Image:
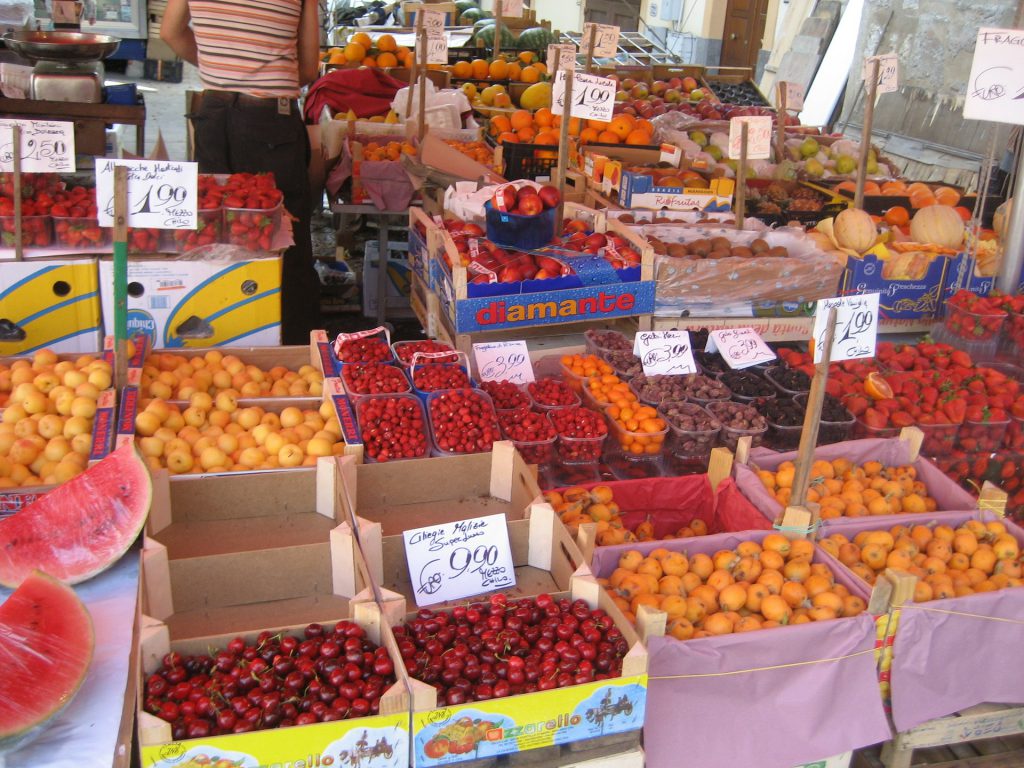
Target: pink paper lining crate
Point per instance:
(945, 651)
(891, 452)
(779, 683)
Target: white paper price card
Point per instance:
(759, 137)
(593, 97)
(995, 89)
(739, 347)
(433, 21)
(856, 327)
(161, 194)
(503, 361)
(794, 96)
(606, 41)
(513, 8)
(47, 146)
(888, 72)
(664, 353)
(461, 559)
(437, 47)
(561, 56)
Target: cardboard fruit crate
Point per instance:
(244, 555)
(563, 723)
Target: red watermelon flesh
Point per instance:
(82, 527)
(46, 644)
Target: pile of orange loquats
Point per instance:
(754, 586)
(844, 489)
(948, 562)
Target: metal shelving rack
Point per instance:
(634, 49)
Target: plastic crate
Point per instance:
(520, 162)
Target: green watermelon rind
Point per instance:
(75, 558)
(536, 39)
(485, 37)
(464, 5)
(11, 739)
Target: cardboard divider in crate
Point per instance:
(893, 452)
(801, 691)
(594, 290)
(928, 671)
(333, 400)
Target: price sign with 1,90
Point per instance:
(856, 327)
(461, 559)
(606, 42)
(759, 137)
(739, 347)
(888, 72)
(664, 353)
(561, 56)
(47, 146)
(593, 97)
(437, 47)
(161, 194)
(503, 361)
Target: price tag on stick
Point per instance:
(856, 327)
(794, 96)
(161, 194)
(503, 361)
(664, 353)
(607, 40)
(509, 8)
(759, 137)
(888, 72)
(561, 57)
(433, 21)
(593, 97)
(460, 559)
(437, 47)
(47, 146)
(739, 347)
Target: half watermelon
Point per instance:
(82, 527)
(46, 645)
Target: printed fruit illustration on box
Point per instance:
(459, 738)
(83, 526)
(46, 644)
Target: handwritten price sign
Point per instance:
(664, 353)
(161, 194)
(759, 137)
(503, 361)
(46, 146)
(433, 22)
(437, 47)
(856, 327)
(888, 72)
(513, 8)
(995, 89)
(561, 56)
(593, 97)
(606, 42)
(794, 96)
(460, 559)
(739, 347)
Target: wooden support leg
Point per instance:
(895, 754)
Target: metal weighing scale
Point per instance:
(68, 65)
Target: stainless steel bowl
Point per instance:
(64, 47)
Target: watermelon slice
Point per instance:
(46, 644)
(82, 527)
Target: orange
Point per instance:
(480, 69)
(462, 70)
(405, 55)
(498, 69)
(589, 135)
(337, 58)
(387, 60)
(540, 66)
(947, 196)
(527, 134)
(500, 124)
(369, 61)
(544, 118)
(521, 118)
(877, 387)
(386, 44)
(607, 137)
(718, 624)
(508, 136)
(922, 199)
(527, 57)
(897, 216)
(622, 125)
(355, 52)
(530, 74)
(639, 137)
(362, 39)
(774, 608)
(514, 71)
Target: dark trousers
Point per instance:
(240, 134)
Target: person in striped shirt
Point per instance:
(253, 57)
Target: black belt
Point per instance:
(244, 100)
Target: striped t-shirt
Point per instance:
(248, 46)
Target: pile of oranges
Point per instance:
(843, 489)
(638, 428)
(623, 129)
(948, 562)
(360, 51)
(525, 68)
(523, 126)
(578, 505)
(754, 586)
(609, 389)
(583, 367)
(393, 150)
(474, 150)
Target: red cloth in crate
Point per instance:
(367, 92)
